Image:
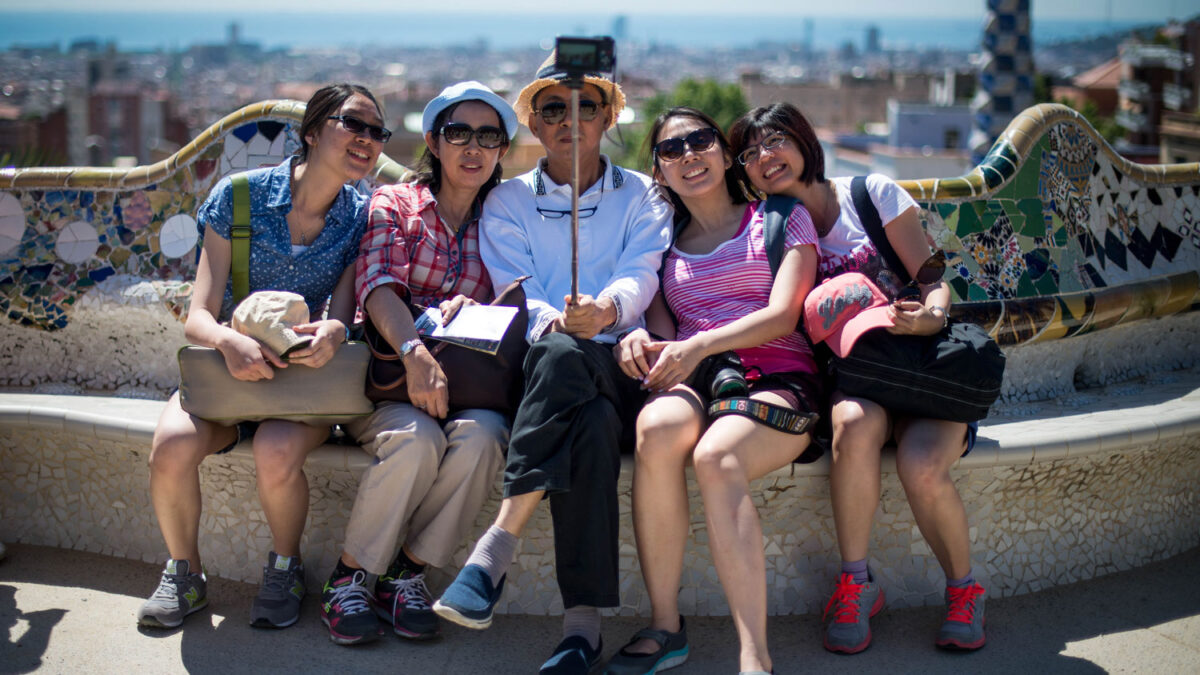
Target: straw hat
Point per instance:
(548, 75)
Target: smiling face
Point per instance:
(351, 155)
(697, 172)
(468, 167)
(774, 170)
(557, 137)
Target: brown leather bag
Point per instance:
(475, 379)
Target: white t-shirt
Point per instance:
(847, 247)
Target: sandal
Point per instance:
(672, 651)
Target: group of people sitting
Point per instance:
(673, 270)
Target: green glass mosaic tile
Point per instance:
(968, 221)
(1046, 285)
(1025, 286)
(976, 294)
(960, 288)
(1034, 210)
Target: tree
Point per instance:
(723, 102)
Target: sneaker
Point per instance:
(963, 627)
(573, 656)
(404, 602)
(179, 593)
(672, 651)
(470, 599)
(847, 616)
(279, 596)
(346, 610)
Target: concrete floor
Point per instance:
(66, 611)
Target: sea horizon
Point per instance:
(173, 31)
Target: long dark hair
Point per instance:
(736, 181)
(789, 121)
(325, 102)
(429, 167)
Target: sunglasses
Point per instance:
(931, 272)
(671, 149)
(357, 127)
(458, 133)
(556, 111)
(751, 154)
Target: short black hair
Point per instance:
(429, 167)
(788, 120)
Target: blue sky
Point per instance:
(1153, 10)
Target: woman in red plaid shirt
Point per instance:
(434, 469)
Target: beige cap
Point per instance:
(268, 316)
(548, 75)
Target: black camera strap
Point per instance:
(775, 416)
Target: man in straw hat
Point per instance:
(579, 408)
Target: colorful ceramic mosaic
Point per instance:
(1039, 236)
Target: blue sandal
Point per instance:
(672, 651)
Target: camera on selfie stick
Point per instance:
(577, 57)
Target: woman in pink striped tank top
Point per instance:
(719, 295)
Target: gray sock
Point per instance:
(494, 552)
(584, 621)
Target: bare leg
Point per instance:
(668, 428)
(928, 448)
(860, 429)
(180, 443)
(733, 452)
(280, 449)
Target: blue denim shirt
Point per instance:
(314, 272)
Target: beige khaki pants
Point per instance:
(429, 480)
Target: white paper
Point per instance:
(480, 327)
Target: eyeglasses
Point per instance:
(930, 273)
(458, 133)
(357, 126)
(751, 154)
(584, 212)
(556, 111)
(671, 149)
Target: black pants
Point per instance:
(566, 440)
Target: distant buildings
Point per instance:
(1157, 77)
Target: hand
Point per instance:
(631, 354)
(449, 308)
(427, 387)
(555, 326)
(674, 362)
(587, 316)
(328, 335)
(249, 360)
(910, 317)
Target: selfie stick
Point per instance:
(575, 86)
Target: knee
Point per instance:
(856, 433)
(277, 457)
(173, 454)
(714, 463)
(554, 355)
(662, 438)
(921, 476)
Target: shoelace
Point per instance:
(276, 583)
(411, 590)
(354, 596)
(168, 588)
(962, 603)
(844, 602)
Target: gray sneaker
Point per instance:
(179, 593)
(848, 615)
(278, 601)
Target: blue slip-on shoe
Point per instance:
(672, 651)
(573, 656)
(469, 600)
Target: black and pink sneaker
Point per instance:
(346, 608)
(404, 602)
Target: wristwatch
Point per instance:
(938, 310)
(409, 346)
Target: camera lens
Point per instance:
(729, 383)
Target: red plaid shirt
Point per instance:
(408, 244)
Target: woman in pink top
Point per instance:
(719, 287)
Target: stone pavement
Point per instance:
(67, 611)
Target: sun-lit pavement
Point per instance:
(65, 611)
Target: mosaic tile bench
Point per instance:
(1085, 267)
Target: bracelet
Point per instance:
(938, 309)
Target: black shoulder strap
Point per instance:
(775, 214)
(869, 215)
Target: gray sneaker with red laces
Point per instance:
(963, 628)
(847, 616)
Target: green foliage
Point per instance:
(30, 157)
(1107, 127)
(1042, 84)
(723, 102)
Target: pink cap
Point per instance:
(842, 308)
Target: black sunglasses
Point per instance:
(671, 149)
(930, 273)
(556, 111)
(459, 133)
(357, 126)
